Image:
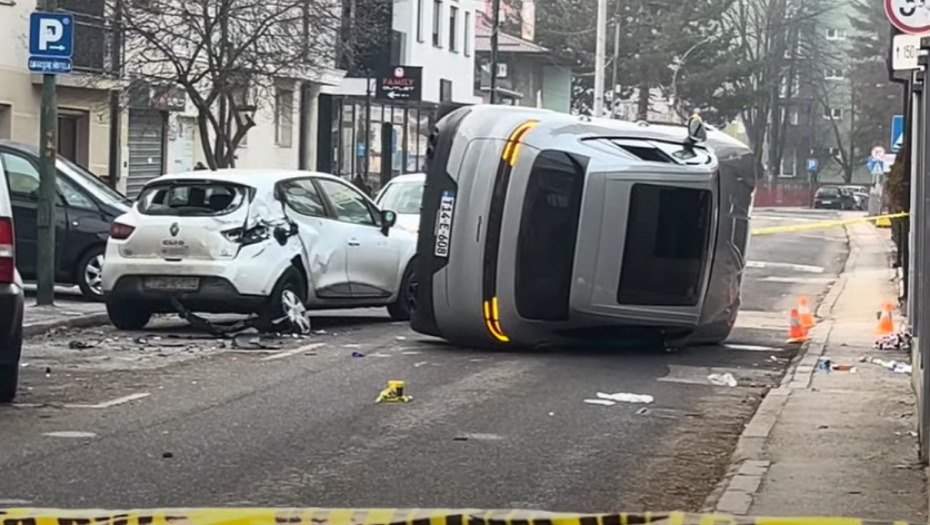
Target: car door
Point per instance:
(86, 224)
(323, 237)
(23, 178)
(373, 259)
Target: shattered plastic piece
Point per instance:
(394, 393)
(627, 398)
(605, 402)
(357, 355)
(726, 379)
(825, 365)
(643, 411)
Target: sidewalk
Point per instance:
(66, 313)
(838, 443)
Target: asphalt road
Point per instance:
(297, 426)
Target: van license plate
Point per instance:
(172, 283)
(444, 224)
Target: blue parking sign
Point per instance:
(897, 133)
(812, 165)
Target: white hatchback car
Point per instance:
(404, 195)
(255, 241)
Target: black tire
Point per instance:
(290, 284)
(9, 378)
(127, 316)
(406, 301)
(88, 273)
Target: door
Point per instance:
(86, 227)
(68, 137)
(146, 148)
(183, 148)
(373, 259)
(23, 177)
(324, 239)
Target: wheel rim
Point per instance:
(93, 275)
(412, 287)
(294, 311)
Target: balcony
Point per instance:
(92, 36)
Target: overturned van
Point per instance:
(540, 228)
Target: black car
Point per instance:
(86, 208)
(832, 197)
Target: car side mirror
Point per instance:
(697, 132)
(388, 220)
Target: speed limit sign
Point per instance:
(910, 16)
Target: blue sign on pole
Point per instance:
(812, 165)
(51, 42)
(897, 133)
(876, 166)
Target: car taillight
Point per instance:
(120, 231)
(7, 261)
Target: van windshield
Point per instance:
(192, 198)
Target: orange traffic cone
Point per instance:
(885, 323)
(796, 334)
(804, 311)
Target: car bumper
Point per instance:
(214, 295)
(828, 205)
(11, 324)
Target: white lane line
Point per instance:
(289, 353)
(752, 348)
(787, 266)
(796, 280)
(70, 434)
(114, 402)
(14, 502)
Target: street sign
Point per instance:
(401, 83)
(905, 48)
(897, 133)
(876, 165)
(51, 43)
(812, 165)
(909, 16)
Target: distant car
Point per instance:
(86, 208)
(11, 302)
(860, 196)
(848, 198)
(404, 195)
(268, 242)
(830, 197)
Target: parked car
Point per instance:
(267, 242)
(830, 197)
(11, 302)
(86, 208)
(404, 195)
(848, 199)
(860, 196)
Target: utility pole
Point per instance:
(115, 113)
(495, 29)
(48, 194)
(599, 56)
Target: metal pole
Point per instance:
(48, 195)
(913, 148)
(495, 28)
(599, 57)
(923, 195)
(115, 113)
(614, 92)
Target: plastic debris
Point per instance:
(895, 366)
(394, 393)
(626, 398)
(604, 402)
(81, 345)
(843, 368)
(900, 341)
(824, 364)
(723, 379)
(357, 355)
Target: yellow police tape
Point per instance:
(324, 516)
(879, 220)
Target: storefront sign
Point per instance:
(400, 83)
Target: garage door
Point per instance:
(146, 148)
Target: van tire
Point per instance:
(405, 303)
(126, 316)
(290, 285)
(9, 378)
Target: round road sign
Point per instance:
(878, 152)
(910, 16)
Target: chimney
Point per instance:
(528, 14)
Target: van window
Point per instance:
(665, 251)
(192, 198)
(548, 234)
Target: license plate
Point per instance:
(175, 252)
(172, 283)
(444, 224)
(828, 202)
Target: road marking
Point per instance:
(289, 353)
(70, 434)
(752, 348)
(114, 402)
(14, 502)
(797, 280)
(787, 266)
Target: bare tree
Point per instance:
(228, 56)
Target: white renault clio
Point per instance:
(255, 241)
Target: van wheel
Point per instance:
(89, 273)
(126, 316)
(286, 305)
(9, 378)
(406, 302)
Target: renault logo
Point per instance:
(174, 230)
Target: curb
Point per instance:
(733, 495)
(84, 321)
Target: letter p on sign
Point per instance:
(50, 32)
